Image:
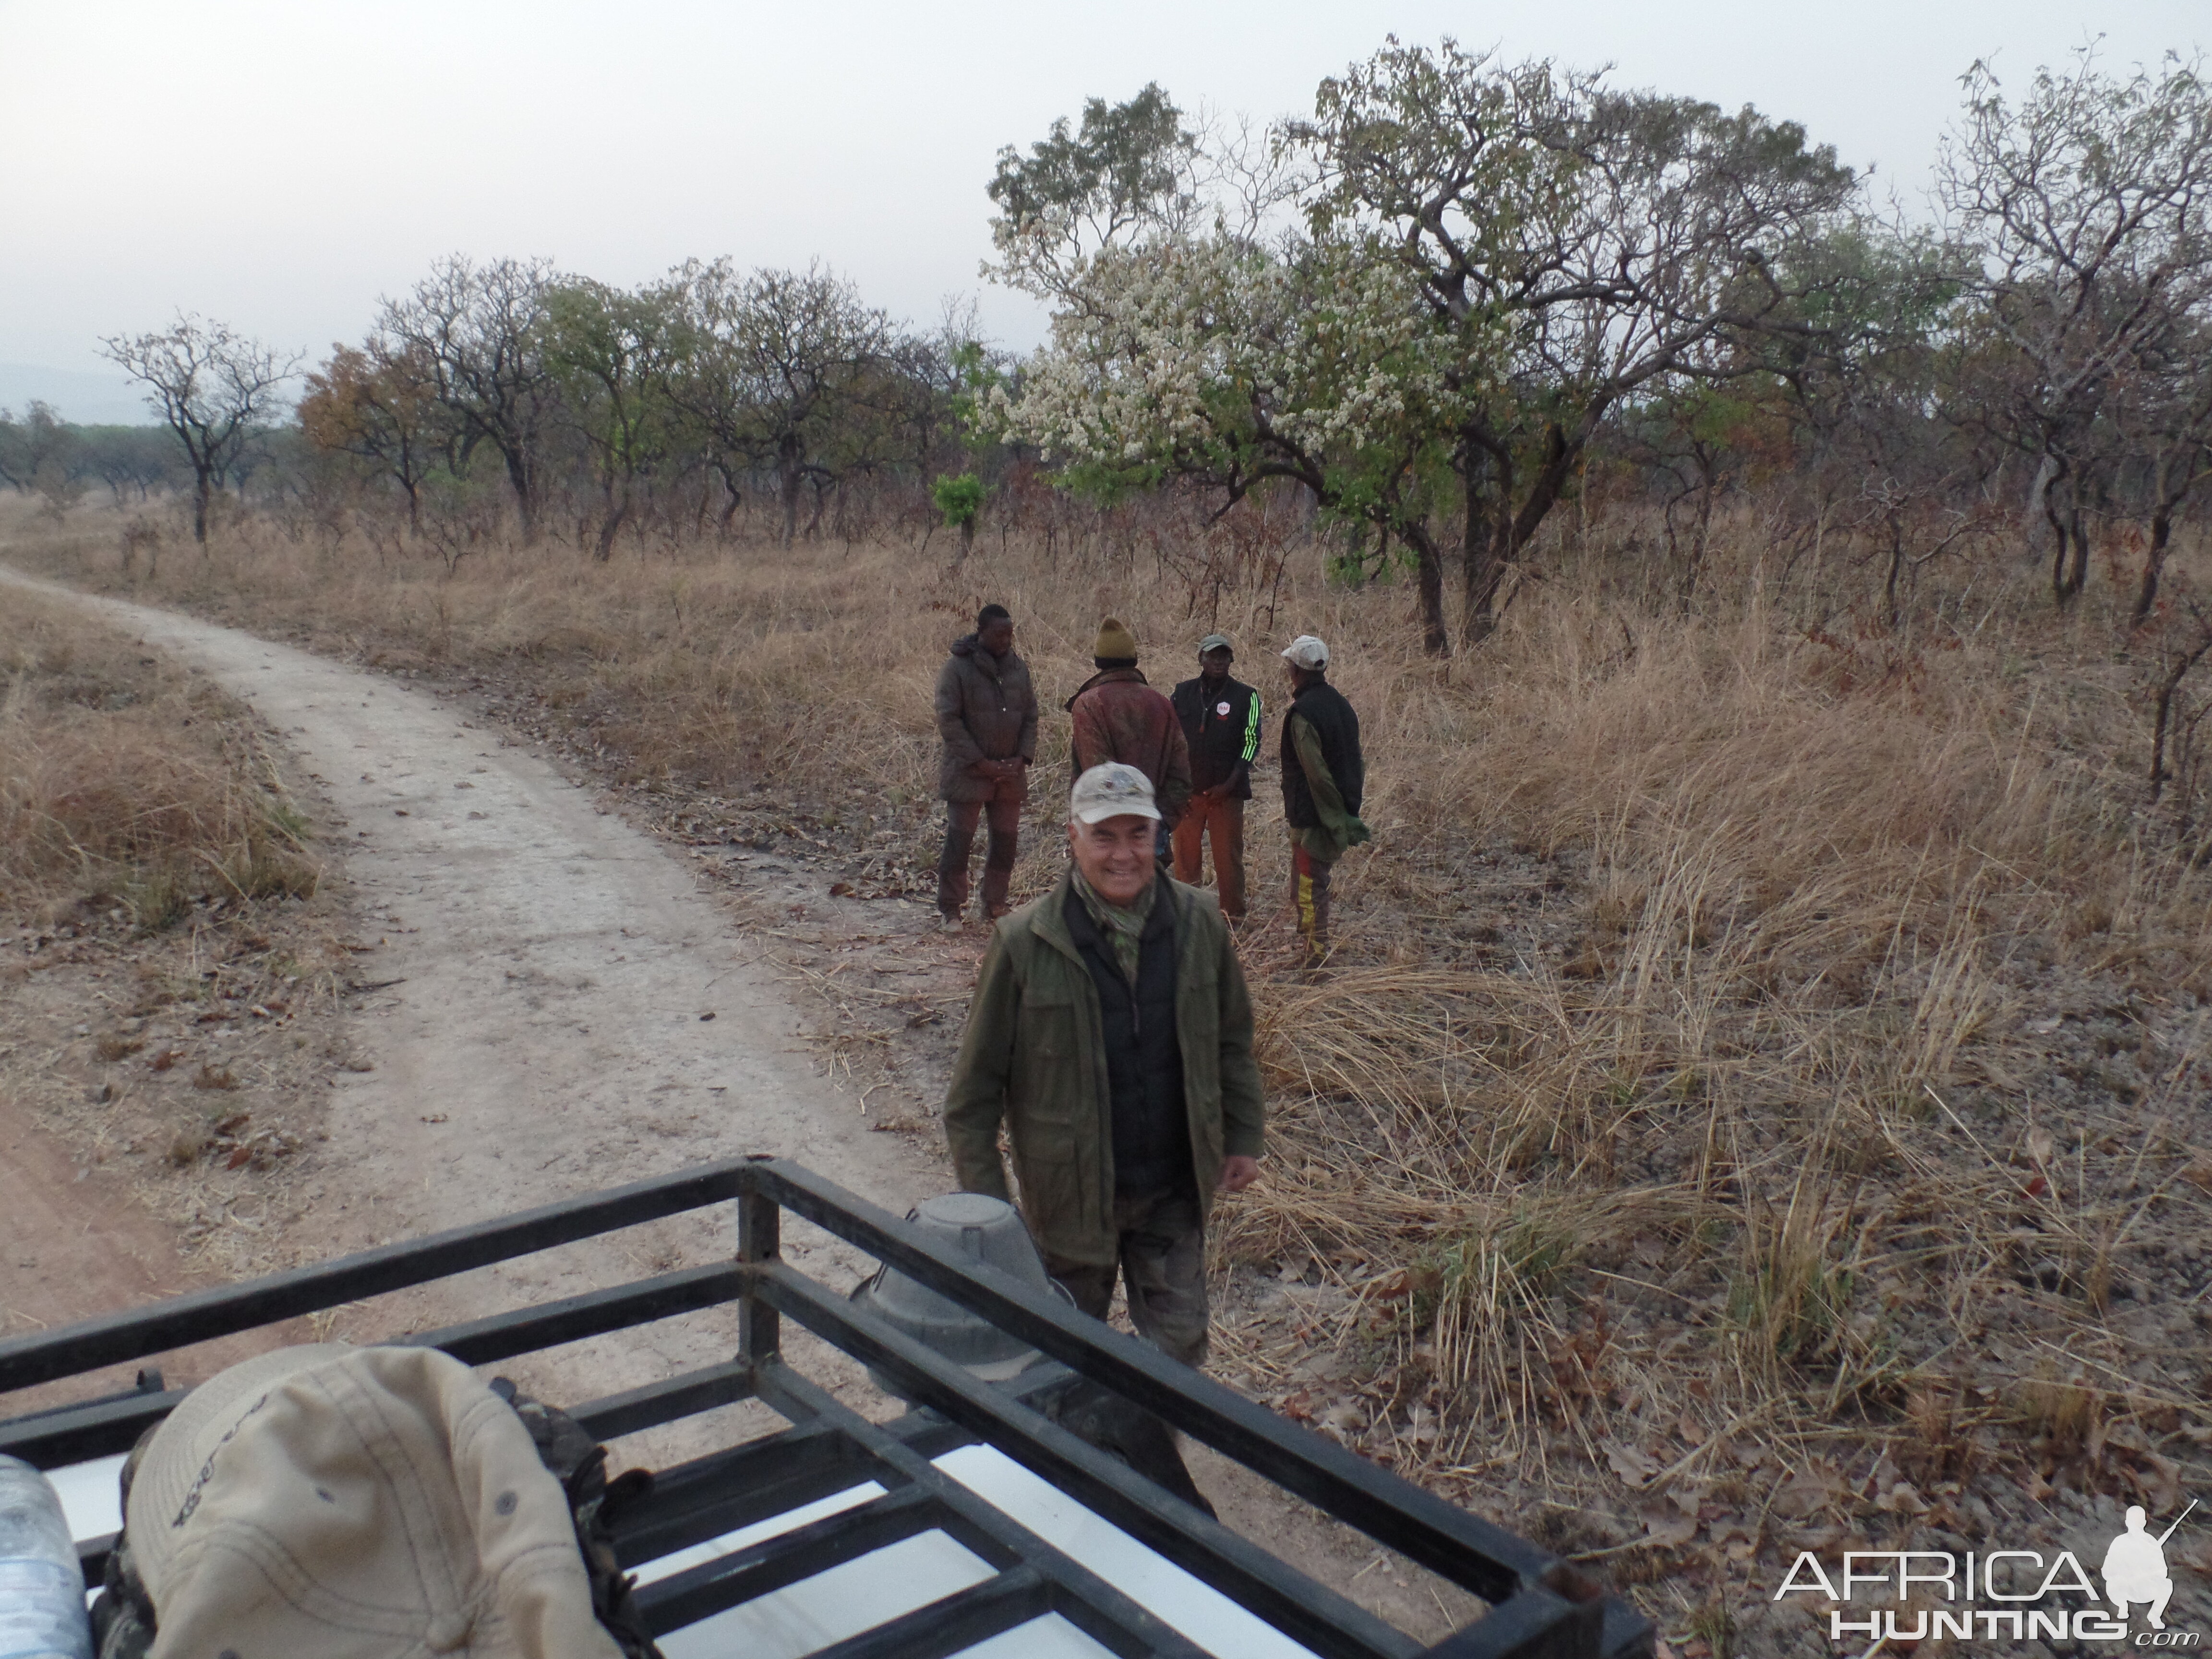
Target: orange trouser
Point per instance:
(1221, 819)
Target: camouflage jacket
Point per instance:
(1118, 717)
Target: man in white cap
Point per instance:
(1324, 776)
(1111, 1033)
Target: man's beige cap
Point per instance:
(1111, 791)
(1307, 652)
(356, 1503)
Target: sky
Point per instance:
(282, 166)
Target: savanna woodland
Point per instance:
(1760, 1101)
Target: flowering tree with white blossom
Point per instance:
(1426, 298)
(1227, 361)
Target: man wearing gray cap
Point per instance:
(1111, 1033)
(1324, 776)
(1220, 721)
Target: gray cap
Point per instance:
(1215, 642)
(1111, 791)
(1306, 652)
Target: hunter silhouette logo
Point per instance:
(2135, 1567)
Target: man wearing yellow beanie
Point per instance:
(1119, 718)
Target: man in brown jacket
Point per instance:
(1118, 717)
(986, 715)
(1111, 1033)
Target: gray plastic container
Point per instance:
(982, 1229)
(41, 1586)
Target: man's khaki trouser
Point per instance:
(1161, 1267)
(1221, 820)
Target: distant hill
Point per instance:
(81, 397)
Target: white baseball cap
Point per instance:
(1111, 791)
(352, 1503)
(1306, 652)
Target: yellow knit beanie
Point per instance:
(1115, 640)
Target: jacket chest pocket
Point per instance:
(1049, 1062)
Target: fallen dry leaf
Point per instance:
(1668, 1528)
(1633, 1467)
(1804, 1491)
(1902, 1498)
(1724, 1527)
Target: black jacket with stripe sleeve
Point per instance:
(1222, 725)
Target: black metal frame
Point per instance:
(1540, 1607)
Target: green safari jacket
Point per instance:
(1034, 1059)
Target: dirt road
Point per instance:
(559, 1005)
(541, 971)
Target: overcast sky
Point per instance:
(280, 166)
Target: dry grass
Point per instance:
(124, 781)
(170, 962)
(1760, 1068)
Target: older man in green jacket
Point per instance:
(1111, 1033)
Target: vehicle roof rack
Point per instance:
(1540, 1607)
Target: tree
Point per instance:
(1198, 335)
(959, 497)
(1487, 261)
(1229, 362)
(928, 385)
(37, 448)
(1699, 440)
(611, 353)
(212, 388)
(2164, 416)
(381, 405)
(1864, 453)
(128, 457)
(1129, 168)
(1617, 238)
(480, 329)
(2087, 211)
(774, 367)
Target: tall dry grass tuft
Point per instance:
(119, 779)
(1750, 1021)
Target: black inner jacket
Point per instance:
(1143, 1055)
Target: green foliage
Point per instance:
(608, 349)
(976, 376)
(959, 498)
(1126, 163)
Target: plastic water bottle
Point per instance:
(42, 1587)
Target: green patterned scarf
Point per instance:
(1123, 929)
